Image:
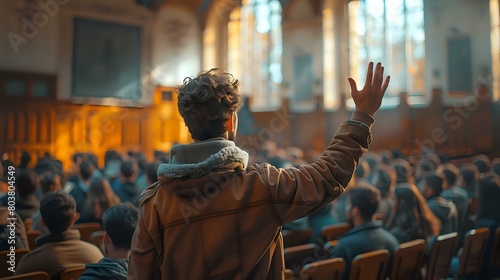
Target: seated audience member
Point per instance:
(128, 191)
(482, 162)
(366, 235)
(119, 223)
(21, 240)
(488, 213)
(62, 247)
(100, 197)
(80, 187)
(411, 218)
(50, 182)
(27, 184)
(25, 160)
(469, 176)
(495, 166)
(453, 192)
(141, 181)
(151, 171)
(404, 171)
(384, 178)
(431, 187)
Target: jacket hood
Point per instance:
(106, 268)
(194, 166)
(443, 208)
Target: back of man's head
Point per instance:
(449, 172)
(434, 182)
(482, 162)
(128, 169)
(206, 103)
(119, 223)
(26, 182)
(366, 198)
(58, 210)
(86, 169)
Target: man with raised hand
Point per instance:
(210, 216)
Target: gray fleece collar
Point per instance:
(227, 157)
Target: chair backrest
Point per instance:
(27, 223)
(371, 265)
(407, 260)
(333, 232)
(495, 251)
(32, 235)
(86, 229)
(289, 274)
(296, 238)
(442, 250)
(72, 273)
(331, 269)
(96, 238)
(5, 258)
(37, 275)
(298, 256)
(473, 250)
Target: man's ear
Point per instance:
(76, 216)
(106, 239)
(230, 123)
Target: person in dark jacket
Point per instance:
(366, 235)
(27, 204)
(128, 191)
(119, 225)
(431, 187)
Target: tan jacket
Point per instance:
(207, 218)
(58, 252)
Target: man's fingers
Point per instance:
(386, 84)
(354, 88)
(379, 77)
(369, 75)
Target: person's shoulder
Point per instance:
(149, 192)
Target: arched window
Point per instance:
(255, 50)
(392, 32)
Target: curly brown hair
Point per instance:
(206, 103)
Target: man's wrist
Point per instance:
(363, 117)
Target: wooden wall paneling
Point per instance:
(11, 126)
(20, 127)
(33, 127)
(496, 127)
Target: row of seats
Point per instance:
(412, 260)
(68, 274)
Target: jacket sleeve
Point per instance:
(144, 259)
(298, 192)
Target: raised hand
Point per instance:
(369, 99)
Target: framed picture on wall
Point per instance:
(106, 64)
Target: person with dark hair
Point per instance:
(25, 160)
(404, 171)
(431, 187)
(482, 162)
(453, 192)
(152, 176)
(80, 186)
(27, 203)
(50, 182)
(128, 191)
(495, 166)
(100, 197)
(366, 235)
(208, 200)
(411, 218)
(488, 215)
(469, 176)
(119, 224)
(384, 179)
(142, 164)
(62, 247)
